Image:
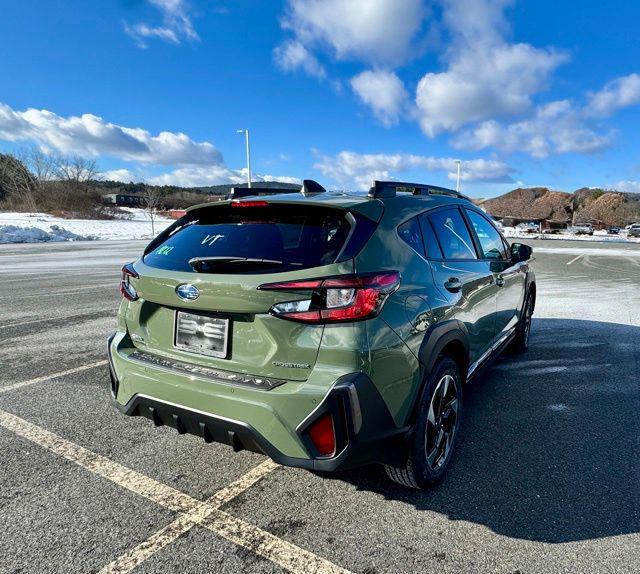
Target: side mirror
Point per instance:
(520, 252)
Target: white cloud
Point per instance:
(383, 92)
(619, 93)
(90, 135)
(348, 168)
(291, 56)
(374, 31)
(631, 186)
(486, 77)
(176, 24)
(556, 127)
(124, 175)
(193, 176)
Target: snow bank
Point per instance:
(599, 235)
(18, 227)
(15, 234)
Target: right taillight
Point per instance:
(336, 299)
(126, 289)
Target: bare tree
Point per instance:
(44, 169)
(16, 183)
(77, 172)
(153, 197)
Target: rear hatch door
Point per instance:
(198, 285)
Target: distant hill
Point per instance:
(599, 206)
(226, 188)
(531, 202)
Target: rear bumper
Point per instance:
(365, 431)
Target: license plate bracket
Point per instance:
(201, 334)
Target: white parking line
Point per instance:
(53, 376)
(44, 319)
(193, 512)
(89, 287)
(575, 259)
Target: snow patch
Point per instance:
(16, 227)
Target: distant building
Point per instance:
(122, 200)
(176, 213)
(542, 223)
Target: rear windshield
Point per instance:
(227, 239)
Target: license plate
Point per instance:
(201, 334)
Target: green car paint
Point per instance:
(368, 374)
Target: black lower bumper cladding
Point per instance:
(365, 430)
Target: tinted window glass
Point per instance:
(252, 240)
(430, 241)
(453, 234)
(410, 233)
(490, 240)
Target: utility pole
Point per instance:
(458, 178)
(246, 135)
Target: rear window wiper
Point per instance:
(201, 263)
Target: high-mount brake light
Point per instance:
(249, 203)
(336, 299)
(126, 289)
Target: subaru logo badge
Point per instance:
(187, 292)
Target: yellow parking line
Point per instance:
(193, 512)
(53, 376)
(181, 525)
(127, 478)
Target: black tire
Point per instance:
(433, 427)
(520, 342)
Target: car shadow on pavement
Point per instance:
(549, 448)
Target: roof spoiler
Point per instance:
(387, 189)
(309, 187)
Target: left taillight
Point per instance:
(126, 289)
(339, 299)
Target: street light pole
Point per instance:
(458, 178)
(246, 135)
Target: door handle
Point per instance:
(500, 281)
(453, 284)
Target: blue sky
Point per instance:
(343, 91)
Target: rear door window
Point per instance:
(453, 235)
(489, 238)
(267, 239)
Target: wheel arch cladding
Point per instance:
(533, 290)
(449, 338)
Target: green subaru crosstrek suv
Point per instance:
(325, 330)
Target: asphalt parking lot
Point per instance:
(546, 477)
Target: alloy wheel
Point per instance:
(441, 422)
(527, 321)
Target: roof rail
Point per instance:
(387, 189)
(238, 192)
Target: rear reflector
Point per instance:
(323, 436)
